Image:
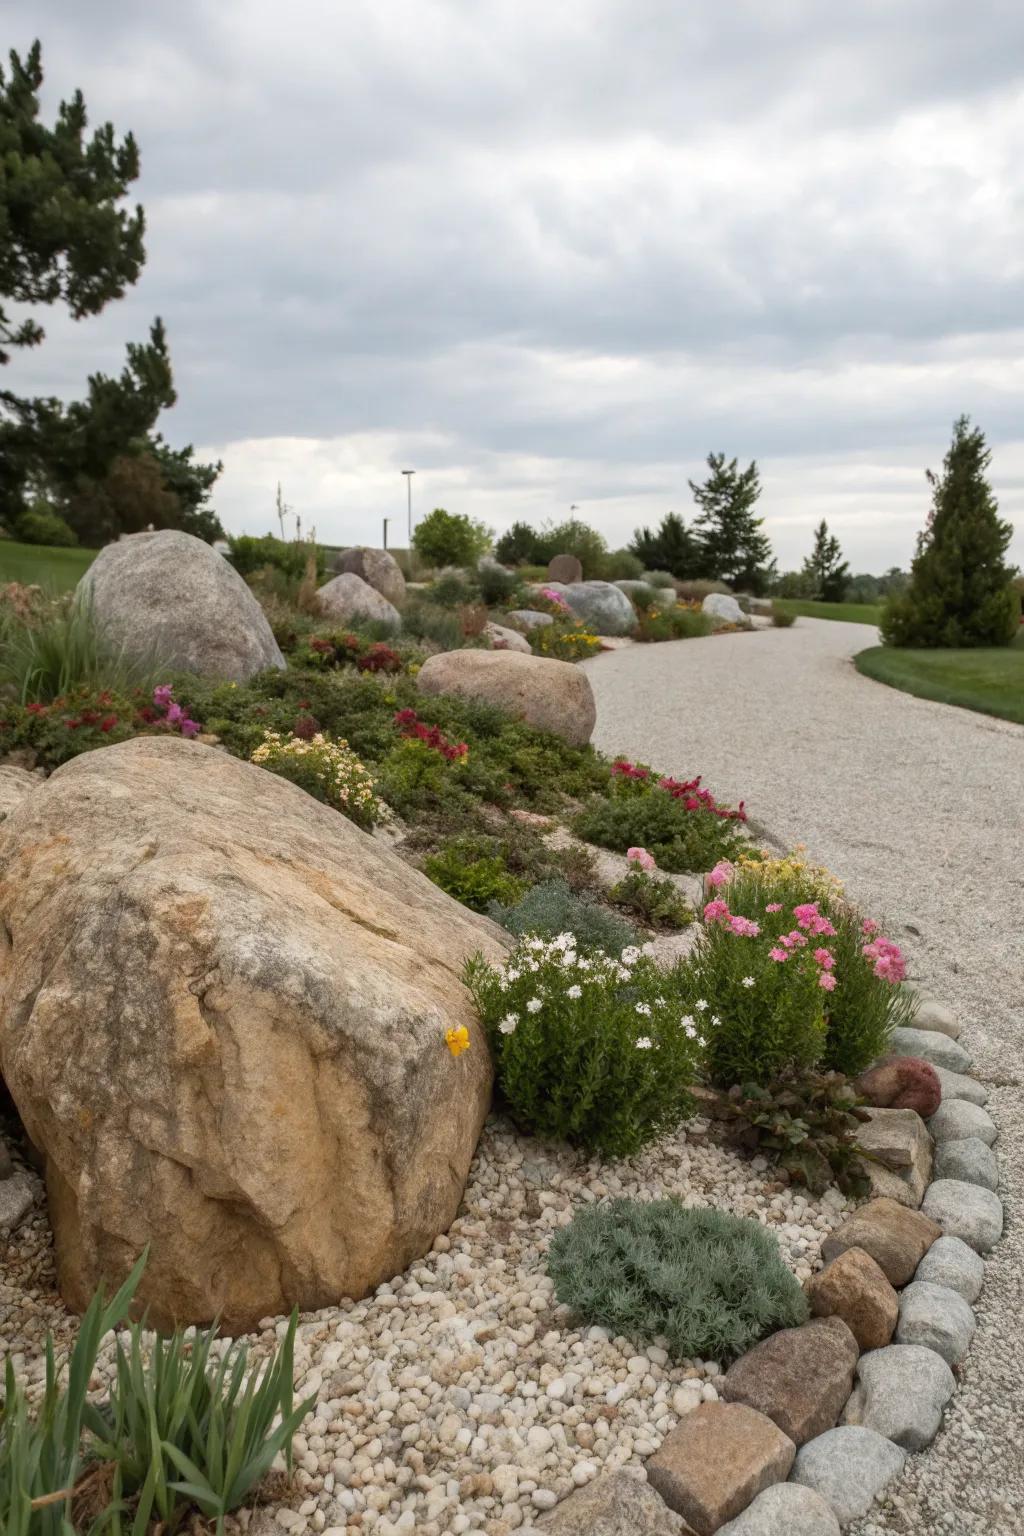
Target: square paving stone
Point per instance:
(799, 1377)
(719, 1458)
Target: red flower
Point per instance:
(107, 723)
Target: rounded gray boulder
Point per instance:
(351, 600)
(170, 598)
(901, 1391)
(600, 605)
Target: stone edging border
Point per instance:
(810, 1433)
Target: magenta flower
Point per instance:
(190, 728)
(175, 713)
(806, 914)
(869, 926)
(716, 910)
(744, 927)
(640, 857)
(825, 958)
(777, 954)
(721, 873)
(162, 695)
(827, 980)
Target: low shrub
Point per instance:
(662, 579)
(680, 823)
(697, 589)
(452, 590)
(450, 538)
(808, 1123)
(66, 727)
(552, 907)
(250, 554)
(428, 622)
(587, 1049)
(658, 903)
(566, 639)
(496, 585)
(709, 1283)
(672, 623)
(475, 871)
(40, 524)
(782, 620)
(622, 565)
(328, 770)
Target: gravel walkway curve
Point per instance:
(919, 808)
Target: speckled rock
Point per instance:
(849, 1466)
(600, 605)
(896, 1238)
(950, 1262)
(902, 1082)
(550, 695)
(15, 784)
(16, 1200)
(721, 605)
(930, 1046)
(936, 1318)
(613, 1505)
(528, 618)
(716, 1461)
(565, 568)
(931, 1014)
(970, 1160)
(787, 1509)
(378, 567)
(897, 1138)
(901, 1392)
(799, 1377)
(966, 1211)
(956, 1120)
(958, 1085)
(351, 600)
(504, 639)
(854, 1288)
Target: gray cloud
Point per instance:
(561, 252)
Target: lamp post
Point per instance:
(408, 473)
(386, 520)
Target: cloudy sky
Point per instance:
(549, 254)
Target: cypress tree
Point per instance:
(959, 592)
(732, 546)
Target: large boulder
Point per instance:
(565, 568)
(722, 606)
(378, 568)
(351, 600)
(600, 605)
(550, 695)
(223, 1018)
(170, 597)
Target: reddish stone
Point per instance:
(902, 1082)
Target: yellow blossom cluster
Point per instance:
(332, 766)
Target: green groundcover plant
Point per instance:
(710, 1283)
(552, 907)
(587, 1048)
(679, 823)
(474, 870)
(657, 902)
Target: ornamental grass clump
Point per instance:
(587, 1048)
(327, 770)
(552, 907)
(709, 1283)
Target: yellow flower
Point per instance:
(457, 1040)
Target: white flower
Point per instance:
(534, 1005)
(700, 1005)
(644, 1043)
(512, 974)
(533, 967)
(715, 1019)
(569, 958)
(575, 992)
(508, 1024)
(748, 981)
(659, 1002)
(564, 941)
(623, 973)
(644, 1008)
(630, 954)
(689, 1026)
(583, 964)
(535, 944)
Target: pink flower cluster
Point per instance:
(888, 961)
(554, 597)
(717, 911)
(172, 712)
(641, 858)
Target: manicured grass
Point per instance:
(990, 681)
(57, 570)
(850, 613)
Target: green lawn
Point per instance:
(57, 570)
(990, 681)
(852, 613)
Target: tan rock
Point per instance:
(799, 1377)
(899, 1164)
(902, 1082)
(716, 1461)
(15, 784)
(551, 695)
(613, 1505)
(222, 1017)
(854, 1288)
(378, 568)
(565, 568)
(895, 1237)
(884, 1184)
(351, 600)
(504, 639)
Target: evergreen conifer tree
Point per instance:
(671, 548)
(732, 546)
(959, 592)
(827, 572)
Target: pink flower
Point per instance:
(827, 980)
(794, 939)
(774, 906)
(640, 857)
(825, 958)
(806, 914)
(716, 910)
(175, 714)
(744, 927)
(869, 926)
(821, 925)
(889, 963)
(190, 728)
(777, 954)
(162, 695)
(721, 873)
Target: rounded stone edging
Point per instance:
(940, 1321)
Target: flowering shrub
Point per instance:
(412, 726)
(865, 1000)
(327, 770)
(566, 639)
(77, 722)
(166, 712)
(587, 1048)
(341, 649)
(678, 823)
(657, 622)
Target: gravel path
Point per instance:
(918, 807)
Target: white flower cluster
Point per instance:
(346, 782)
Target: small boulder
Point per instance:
(849, 1466)
(957, 1085)
(614, 1504)
(599, 605)
(902, 1082)
(900, 1393)
(936, 1318)
(799, 1377)
(378, 568)
(970, 1160)
(722, 606)
(170, 597)
(957, 1120)
(351, 600)
(16, 1200)
(550, 695)
(902, 1151)
(785, 1509)
(565, 568)
(503, 639)
(854, 1288)
(528, 618)
(966, 1211)
(931, 1014)
(931, 1046)
(895, 1237)
(950, 1262)
(716, 1461)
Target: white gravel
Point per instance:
(918, 808)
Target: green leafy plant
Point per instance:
(808, 1123)
(68, 726)
(638, 813)
(41, 1448)
(497, 586)
(183, 1430)
(659, 622)
(658, 903)
(587, 1048)
(552, 907)
(250, 554)
(709, 1283)
(452, 590)
(566, 639)
(474, 870)
(450, 538)
(782, 620)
